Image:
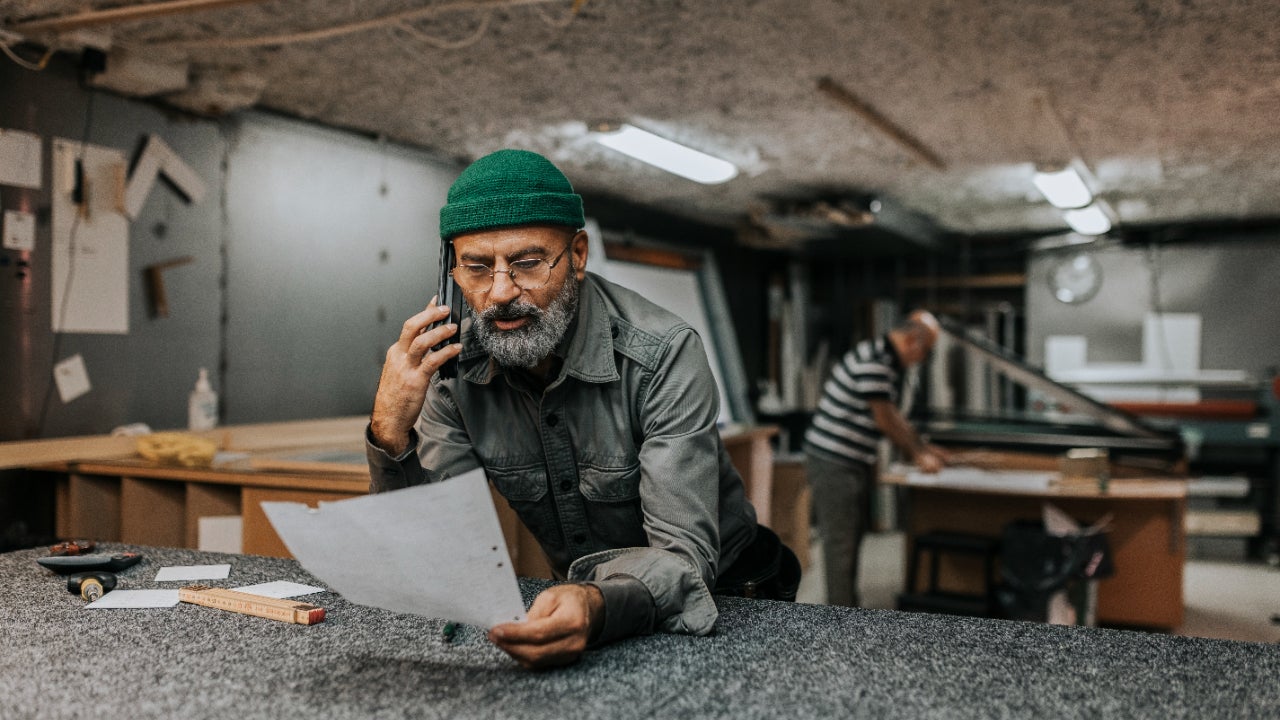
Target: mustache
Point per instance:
(510, 311)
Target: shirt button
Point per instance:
(552, 420)
(579, 538)
(565, 485)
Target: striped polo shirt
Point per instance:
(844, 427)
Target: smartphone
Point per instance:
(450, 295)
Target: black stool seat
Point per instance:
(937, 600)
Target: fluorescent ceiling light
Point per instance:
(1090, 220)
(1064, 189)
(672, 157)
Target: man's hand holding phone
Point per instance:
(407, 372)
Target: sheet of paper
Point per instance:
(193, 572)
(19, 230)
(280, 589)
(220, 533)
(20, 158)
(135, 599)
(983, 479)
(72, 378)
(90, 259)
(435, 550)
(1171, 342)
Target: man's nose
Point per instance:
(504, 288)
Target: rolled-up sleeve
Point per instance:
(679, 493)
(439, 446)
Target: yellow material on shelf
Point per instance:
(175, 448)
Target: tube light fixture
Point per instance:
(670, 156)
(1089, 220)
(1064, 189)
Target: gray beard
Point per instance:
(527, 346)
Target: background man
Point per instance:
(592, 410)
(859, 405)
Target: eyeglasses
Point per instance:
(527, 274)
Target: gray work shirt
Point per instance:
(616, 466)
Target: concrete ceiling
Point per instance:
(1172, 104)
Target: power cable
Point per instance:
(349, 28)
(36, 66)
(71, 269)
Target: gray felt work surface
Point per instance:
(765, 660)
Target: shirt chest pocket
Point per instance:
(525, 488)
(612, 496)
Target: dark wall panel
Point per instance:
(332, 242)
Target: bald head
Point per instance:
(914, 337)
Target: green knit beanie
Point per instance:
(507, 188)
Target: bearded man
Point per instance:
(592, 411)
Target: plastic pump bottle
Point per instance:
(202, 408)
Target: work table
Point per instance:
(765, 660)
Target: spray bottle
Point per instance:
(202, 408)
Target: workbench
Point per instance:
(765, 660)
(1146, 535)
(118, 496)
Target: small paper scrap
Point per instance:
(193, 572)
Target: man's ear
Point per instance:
(578, 248)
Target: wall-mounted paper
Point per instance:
(72, 378)
(435, 550)
(20, 159)
(1065, 353)
(90, 259)
(1171, 342)
(19, 230)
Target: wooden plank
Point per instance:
(325, 432)
(30, 453)
(993, 280)
(332, 461)
(1227, 523)
(873, 116)
(329, 432)
(226, 476)
(152, 512)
